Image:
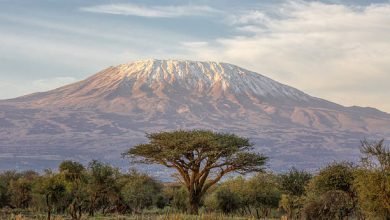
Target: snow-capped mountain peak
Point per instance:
(206, 76)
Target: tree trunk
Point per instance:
(80, 212)
(48, 208)
(289, 215)
(194, 202)
(92, 208)
(249, 210)
(257, 213)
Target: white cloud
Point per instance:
(195, 44)
(249, 17)
(331, 51)
(152, 11)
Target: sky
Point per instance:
(338, 50)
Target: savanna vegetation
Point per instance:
(201, 187)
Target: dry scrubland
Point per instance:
(340, 190)
(131, 217)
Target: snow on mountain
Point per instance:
(207, 78)
(104, 114)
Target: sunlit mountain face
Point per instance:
(101, 116)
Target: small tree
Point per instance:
(177, 196)
(334, 204)
(52, 188)
(294, 181)
(75, 178)
(21, 192)
(200, 157)
(335, 181)
(336, 176)
(375, 155)
(5, 181)
(264, 193)
(372, 179)
(240, 193)
(102, 186)
(289, 203)
(140, 191)
(293, 185)
(227, 201)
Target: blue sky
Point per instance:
(335, 49)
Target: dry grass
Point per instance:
(212, 216)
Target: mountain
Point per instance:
(108, 112)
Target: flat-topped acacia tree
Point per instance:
(201, 158)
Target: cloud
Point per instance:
(194, 44)
(152, 11)
(60, 48)
(332, 51)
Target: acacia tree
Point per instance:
(200, 157)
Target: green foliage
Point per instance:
(72, 171)
(103, 189)
(291, 205)
(294, 182)
(264, 192)
(20, 190)
(4, 195)
(336, 176)
(372, 179)
(5, 181)
(373, 189)
(293, 185)
(198, 146)
(51, 191)
(227, 201)
(331, 194)
(259, 194)
(140, 191)
(177, 197)
(75, 178)
(334, 204)
(375, 155)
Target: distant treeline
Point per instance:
(338, 191)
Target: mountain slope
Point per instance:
(104, 114)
